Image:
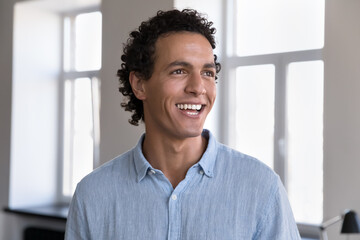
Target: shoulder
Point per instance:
(104, 176)
(263, 187)
(246, 167)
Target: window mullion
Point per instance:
(280, 165)
(299, 56)
(72, 43)
(72, 132)
(82, 98)
(85, 74)
(95, 93)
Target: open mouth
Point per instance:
(190, 109)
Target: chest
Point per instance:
(191, 211)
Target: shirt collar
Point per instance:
(207, 161)
(141, 164)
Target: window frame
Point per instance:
(281, 62)
(71, 75)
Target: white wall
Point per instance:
(5, 104)
(342, 110)
(119, 18)
(28, 97)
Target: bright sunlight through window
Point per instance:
(273, 26)
(278, 86)
(305, 139)
(82, 60)
(255, 111)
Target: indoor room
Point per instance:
(287, 94)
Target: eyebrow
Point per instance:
(186, 64)
(209, 65)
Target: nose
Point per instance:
(195, 85)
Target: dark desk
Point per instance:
(53, 211)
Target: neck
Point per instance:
(173, 156)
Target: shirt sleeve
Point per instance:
(279, 222)
(76, 224)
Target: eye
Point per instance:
(209, 74)
(178, 71)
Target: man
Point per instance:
(178, 182)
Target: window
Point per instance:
(81, 65)
(304, 98)
(255, 109)
(275, 71)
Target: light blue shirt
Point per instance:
(226, 195)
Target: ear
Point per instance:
(137, 85)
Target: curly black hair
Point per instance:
(139, 51)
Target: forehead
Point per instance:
(183, 46)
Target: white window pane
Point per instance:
(255, 91)
(83, 121)
(83, 128)
(305, 140)
(82, 157)
(272, 26)
(78, 133)
(88, 41)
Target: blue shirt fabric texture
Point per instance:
(226, 195)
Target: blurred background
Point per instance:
(288, 94)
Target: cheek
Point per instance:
(171, 88)
(162, 94)
(211, 90)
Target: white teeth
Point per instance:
(189, 106)
(192, 113)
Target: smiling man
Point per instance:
(178, 182)
(176, 99)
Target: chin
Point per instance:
(191, 133)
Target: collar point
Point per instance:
(209, 174)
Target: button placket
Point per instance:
(174, 217)
(174, 231)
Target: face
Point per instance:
(181, 91)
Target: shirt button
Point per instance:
(173, 197)
(201, 172)
(151, 172)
